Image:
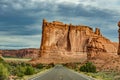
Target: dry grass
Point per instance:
(16, 59)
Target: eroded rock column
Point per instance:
(119, 38)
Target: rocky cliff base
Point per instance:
(107, 62)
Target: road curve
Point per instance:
(61, 73)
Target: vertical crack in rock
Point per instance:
(68, 40)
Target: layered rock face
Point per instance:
(21, 53)
(72, 43)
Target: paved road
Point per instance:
(61, 73)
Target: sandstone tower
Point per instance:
(71, 43)
(119, 38)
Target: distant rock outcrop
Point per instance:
(21, 53)
(72, 43)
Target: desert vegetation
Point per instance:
(88, 68)
(4, 73)
(17, 70)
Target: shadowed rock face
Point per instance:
(63, 42)
(119, 38)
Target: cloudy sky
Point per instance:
(21, 20)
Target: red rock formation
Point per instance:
(119, 38)
(72, 43)
(97, 31)
(21, 53)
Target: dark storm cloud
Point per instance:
(27, 16)
(24, 17)
(19, 30)
(14, 20)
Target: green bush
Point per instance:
(29, 70)
(3, 72)
(20, 70)
(39, 66)
(17, 69)
(24, 69)
(88, 67)
(1, 60)
(20, 74)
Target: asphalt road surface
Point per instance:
(61, 73)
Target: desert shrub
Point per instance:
(20, 74)
(29, 70)
(1, 60)
(24, 69)
(3, 72)
(51, 65)
(25, 64)
(47, 66)
(20, 70)
(88, 67)
(39, 66)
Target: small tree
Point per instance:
(88, 67)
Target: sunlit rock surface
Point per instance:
(63, 43)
